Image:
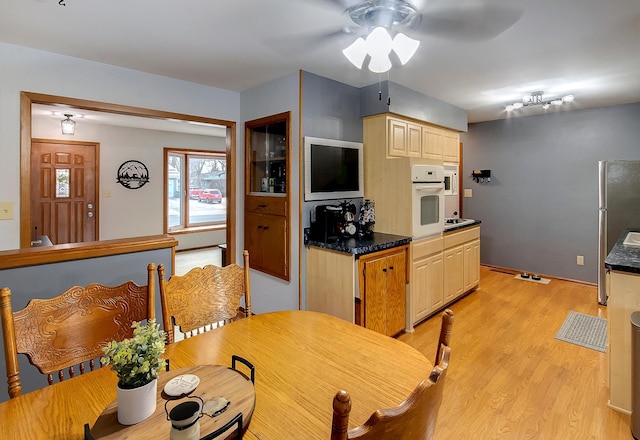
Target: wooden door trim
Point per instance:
(28, 98)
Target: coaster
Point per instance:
(215, 406)
(180, 385)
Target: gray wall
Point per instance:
(49, 280)
(540, 209)
(407, 102)
(277, 96)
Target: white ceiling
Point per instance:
(590, 48)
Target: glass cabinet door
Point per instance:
(267, 157)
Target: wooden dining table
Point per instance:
(301, 360)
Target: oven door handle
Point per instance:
(428, 188)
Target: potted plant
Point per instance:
(137, 362)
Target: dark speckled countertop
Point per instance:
(457, 228)
(363, 245)
(624, 258)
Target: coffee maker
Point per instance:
(325, 223)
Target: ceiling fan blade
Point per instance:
(295, 45)
(468, 22)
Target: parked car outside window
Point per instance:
(194, 193)
(210, 196)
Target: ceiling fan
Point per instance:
(458, 20)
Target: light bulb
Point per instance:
(545, 106)
(557, 102)
(517, 105)
(568, 98)
(509, 107)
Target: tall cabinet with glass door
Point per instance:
(266, 207)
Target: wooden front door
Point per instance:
(63, 190)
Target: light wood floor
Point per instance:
(509, 378)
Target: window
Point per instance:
(196, 196)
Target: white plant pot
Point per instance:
(137, 404)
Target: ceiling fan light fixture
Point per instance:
(357, 52)
(404, 47)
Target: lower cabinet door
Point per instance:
(427, 285)
(453, 273)
(266, 241)
(396, 293)
(375, 301)
(471, 264)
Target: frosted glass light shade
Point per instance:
(380, 64)
(379, 43)
(404, 47)
(357, 52)
(68, 125)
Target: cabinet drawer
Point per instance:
(456, 238)
(266, 205)
(427, 246)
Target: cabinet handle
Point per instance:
(384, 270)
(262, 206)
(391, 268)
(265, 227)
(259, 227)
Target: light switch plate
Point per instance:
(6, 210)
(468, 192)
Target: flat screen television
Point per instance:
(333, 169)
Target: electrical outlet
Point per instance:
(468, 192)
(580, 260)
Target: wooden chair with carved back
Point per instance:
(204, 298)
(445, 333)
(71, 329)
(413, 419)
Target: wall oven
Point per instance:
(427, 187)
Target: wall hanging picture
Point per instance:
(133, 174)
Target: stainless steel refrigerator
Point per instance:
(619, 209)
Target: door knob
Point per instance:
(90, 214)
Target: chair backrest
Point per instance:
(71, 329)
(413, 419)
(204, 298)
(445, 333)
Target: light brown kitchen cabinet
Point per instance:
(403, 138)
(383, 279)
(454, 273)
(414, 139)
(427, 278)
(266, 210)
(451, 146)
(432, 143)
(443, 268)
(462, 261)
(471, 265)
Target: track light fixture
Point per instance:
(68, 125)
(536, 98)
